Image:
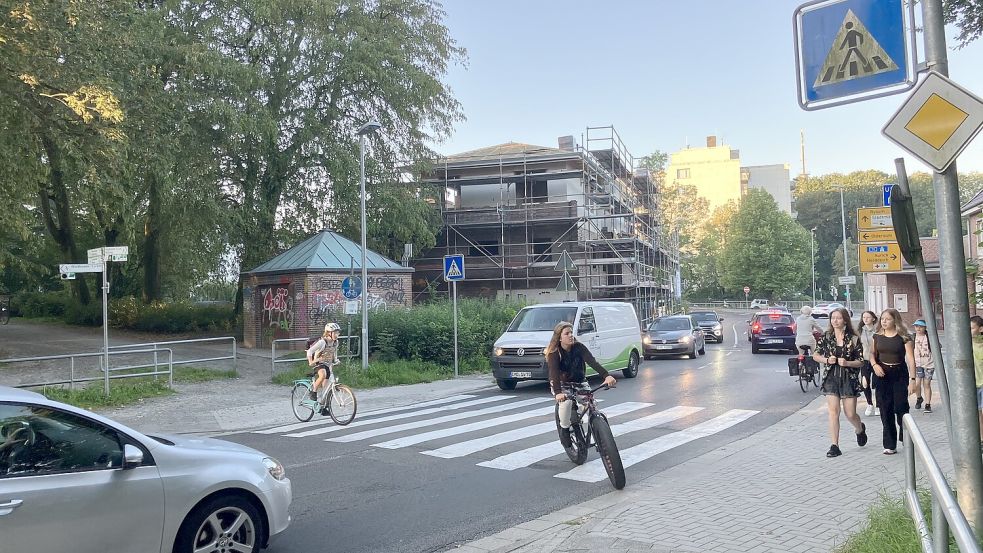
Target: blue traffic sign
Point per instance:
(351, 287)
(453, 267)
(852, 50)
(887, 194)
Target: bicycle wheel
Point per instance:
(815, 376)
(342, 405)
(302, 409)
(608, 451)
(573, 440)
(804, 381)
(4, 316)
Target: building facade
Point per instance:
(773, 179)
(715, 171)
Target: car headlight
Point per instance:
(275, 468)
(685, 340)
(499, 352)
(646, 340)
(718, 326)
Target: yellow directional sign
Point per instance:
(883, 235)
(874, 218)
(879, 258)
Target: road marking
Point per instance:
(594, 470)
(528, 456)
(439, 420)
(734, 327)
(399, 416)
(460, 449)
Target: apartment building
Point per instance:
(773, 179)
(715, 171)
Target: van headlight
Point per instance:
(499, 352)
(646, 340)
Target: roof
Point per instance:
(507, 149)
(973, 205)
(328, 251)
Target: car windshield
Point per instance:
(705, 316)
(669, 324)
(534, 319)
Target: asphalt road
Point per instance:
(372, 487)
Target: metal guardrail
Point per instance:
(946, 513)
(351, 352)
(155, 345)
(72, 379)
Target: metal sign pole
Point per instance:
(454, 288)
(105, 322)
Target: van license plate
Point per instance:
(520, 374)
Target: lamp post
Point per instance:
(846, 263)
(812, 250)
(364, 131)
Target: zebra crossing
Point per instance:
(520, 422)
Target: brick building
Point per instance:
(294, 294)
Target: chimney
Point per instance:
(567, 143)
(711, 141)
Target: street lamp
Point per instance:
(846, 263)
(364, 131)
(812, 249)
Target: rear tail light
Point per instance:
(801, 358)
(755, 328)
(793, 328)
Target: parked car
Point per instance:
(759, 304)
(71, 480)
(674, 335)
(709, 322)
(609, 330)
(822, 310)
(771, 330)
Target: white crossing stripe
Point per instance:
(594, 470)
(461, 449)
(432, 422)
(300, 425)
(464, 428)
(526, 457)
(399, 416)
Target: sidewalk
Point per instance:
(772, 491)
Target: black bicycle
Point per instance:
(805, 368)
(4, 314)
(596, 432)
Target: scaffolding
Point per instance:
(513, 209)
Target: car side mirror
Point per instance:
(132, 456)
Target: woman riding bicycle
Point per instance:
(806, 329)
(567, 360)
(324, 353)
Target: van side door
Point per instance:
(587, 332)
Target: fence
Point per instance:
(108, 375)
(346, 352)
(946, 513)
(155, 346)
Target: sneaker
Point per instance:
(834, 451)
(862, 437)
(869, 411)
(877, 411)
(928, 407)
(312, 396)
(890, 451)
(918, 403)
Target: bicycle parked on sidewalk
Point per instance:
(333, 399)
(596, 427)
(5, 310)
(805, 368)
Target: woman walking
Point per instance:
(893, 360)
(869, 326)
(842, 352)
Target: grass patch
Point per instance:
(385, 373)
(126, 391)
(200, 374)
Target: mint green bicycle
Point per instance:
(334, 399)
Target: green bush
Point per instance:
(40, 304)
(170, 317)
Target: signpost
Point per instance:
(566, 265)
(351, 287)
(868, 236)
(848, 279)
(747, 290)
(98, 258)
(453, 272)
(879, 258)
(887, 194)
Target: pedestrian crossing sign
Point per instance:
(852, 50)
(453, 267)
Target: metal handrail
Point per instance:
(352, 352)
(233, 357)
(72, 378)
(946, 513)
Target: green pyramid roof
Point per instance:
(328, 251)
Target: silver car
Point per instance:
(71, 480)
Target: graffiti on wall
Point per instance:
(277, 311)
(327, 303)
(390, 288)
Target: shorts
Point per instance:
(922, 372)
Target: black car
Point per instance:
(772, 330)
(709, 322)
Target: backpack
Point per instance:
(312, 341)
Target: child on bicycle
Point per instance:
(323, 353)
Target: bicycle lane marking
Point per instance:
(460, 449)
(398, 416)
(366, 434)
(594, 470)
(526, 457)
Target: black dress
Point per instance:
(841, 381)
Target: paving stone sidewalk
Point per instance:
(772, 491)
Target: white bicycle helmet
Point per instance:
(332, 327)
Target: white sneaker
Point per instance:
(877, 412)
(869, 411)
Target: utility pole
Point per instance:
(846, 263)
(812, 250)
(955, 305)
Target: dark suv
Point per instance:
(709, 322)
(772, 330)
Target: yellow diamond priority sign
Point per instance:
(938, 121)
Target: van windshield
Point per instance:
(533, 319)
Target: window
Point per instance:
(540, 252)
(534, 319)
(533, 191)
(484, 248)
(37, 440)
(682, 173)
(586, 321)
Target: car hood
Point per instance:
(524, 339)
(668, 334)
(199, 443)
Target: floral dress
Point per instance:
(841, 381)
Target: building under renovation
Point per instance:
(513, 209)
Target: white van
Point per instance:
(609, 329)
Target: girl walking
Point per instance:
(869, 326)
(893, 360)
(841, 350)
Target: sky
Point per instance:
(666, 74)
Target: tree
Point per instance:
(681, 207)
(967, 15)
(701, 267)
(765, 249)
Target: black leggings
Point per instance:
(892, 400)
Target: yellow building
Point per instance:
(714, 170)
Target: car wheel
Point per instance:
(754, 348)
(224, 523)
(507, 383)
(632, 370)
